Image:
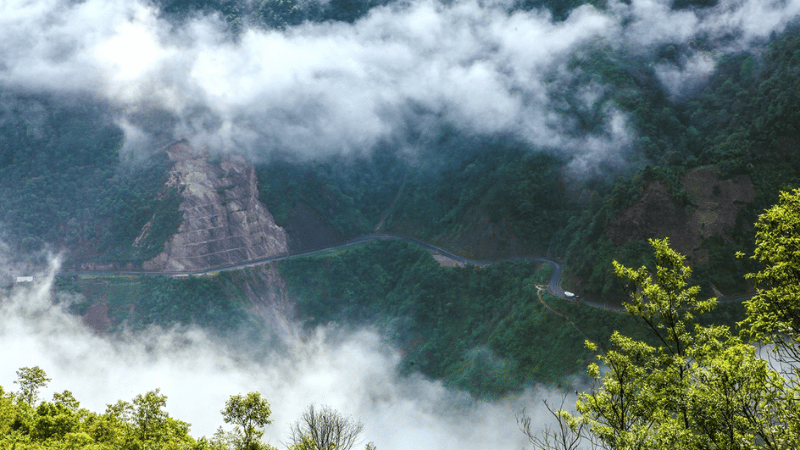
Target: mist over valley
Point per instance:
(341, 203)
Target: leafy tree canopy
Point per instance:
(61, 424)
(699, 386)
(30, 381)
(773, 314)
(249, 414)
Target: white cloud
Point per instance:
(693, 72)
(337, 87)
(729, 26)
(315, 88)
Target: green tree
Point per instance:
(773, 314)
(249, 414)
(7, 411)
(30, 381)
(148, 415)
(695, 386)
(141, 423)
(62, 424)
(54, 421)
(306, 443)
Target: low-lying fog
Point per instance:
(355, 374)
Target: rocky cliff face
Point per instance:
(223, 221)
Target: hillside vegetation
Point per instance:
(700, 386)
(486, 330)
(487, 197)
(700, 168)
(63, 182)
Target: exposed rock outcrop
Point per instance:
(223, 221)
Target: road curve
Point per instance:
(554, 286)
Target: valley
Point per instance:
(430, 211)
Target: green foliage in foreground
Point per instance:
(773, 315)
(700, 386)
(63, 424)
(143, 423)
(249, 414)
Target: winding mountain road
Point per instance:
(554, 285)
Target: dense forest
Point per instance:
(217, 303)
(741, 122)
(484, 330)
(68, 184)
(64, 183)
(58, 151)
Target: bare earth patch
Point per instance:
(96, 317)
(715, 205)
(444, 261)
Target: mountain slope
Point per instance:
(223, 221)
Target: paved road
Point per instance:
(554, 286)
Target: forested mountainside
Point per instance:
(486, 196)
(64, 182)
(594, 151)
(708, 164)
